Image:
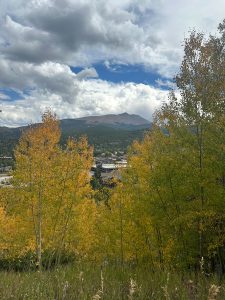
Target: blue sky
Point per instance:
(10, 94)
(118, 73)
(93, 57)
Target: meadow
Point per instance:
(91, 281)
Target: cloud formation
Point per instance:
(82, 32)
(41, 39)
(96, 97)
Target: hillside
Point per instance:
(106, 133)
(121, 120)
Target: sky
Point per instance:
(94, 57)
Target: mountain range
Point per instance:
(106, 132)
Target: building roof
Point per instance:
(109, 166)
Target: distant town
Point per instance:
(109, 165)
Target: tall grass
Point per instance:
(91, 281)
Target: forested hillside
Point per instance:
(115, 134)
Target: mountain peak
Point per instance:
(116, 120)
(124, 114)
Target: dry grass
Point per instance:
(90, 281)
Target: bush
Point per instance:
(28, 262)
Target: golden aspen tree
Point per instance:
(50, 182)
(34, 156)
(74, 164)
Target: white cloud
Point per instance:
(4, 96)
(96, 97)
(40, 39)
(87, 73)
(49, 77)
(82, 32)
(165, 83)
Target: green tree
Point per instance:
(175, 177)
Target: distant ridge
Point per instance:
(113, 119)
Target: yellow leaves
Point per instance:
(49, 182)
(88, 228)
(9, 233)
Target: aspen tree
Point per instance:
(50, 182)
(175, 176)
(34, 155)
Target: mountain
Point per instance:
(120, 120)
(107, 132)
